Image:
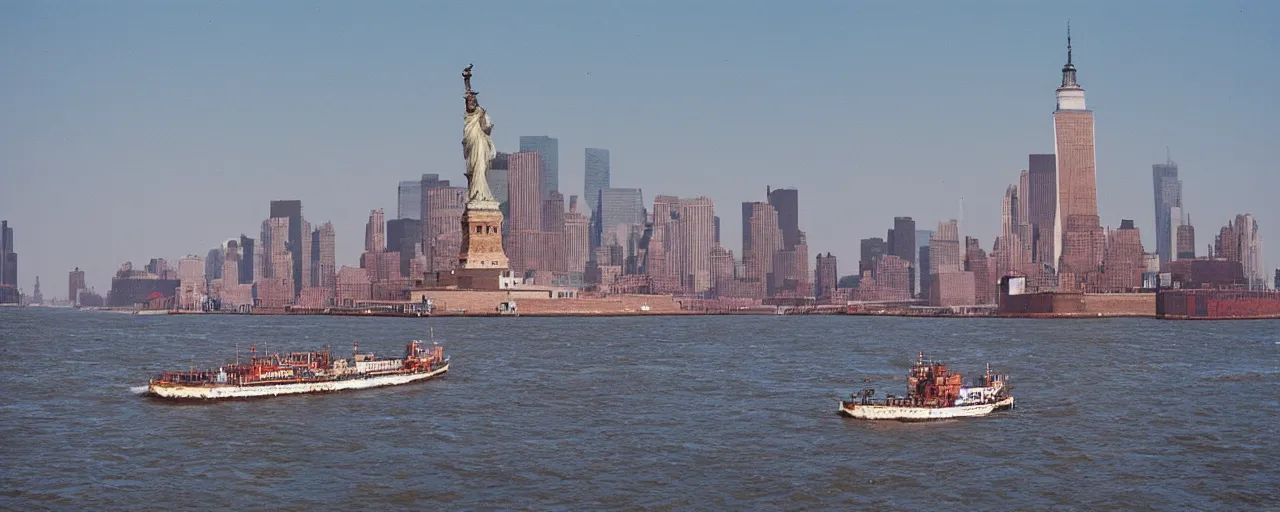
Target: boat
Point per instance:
(933, 393)
(301, 372)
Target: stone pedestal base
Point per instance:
(481, 246)
(488, 279)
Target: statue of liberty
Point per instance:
(477, 148)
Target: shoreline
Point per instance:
(750, 312)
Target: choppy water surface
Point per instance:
(720, 413)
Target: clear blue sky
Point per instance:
(139, 129)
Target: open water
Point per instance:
(695, 413)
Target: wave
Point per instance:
(138, 390)
(1245, 377)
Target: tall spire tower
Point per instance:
(1077, 228)
(1070, 94)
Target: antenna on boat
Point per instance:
(237, 354)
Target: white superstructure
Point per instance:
(899, 413)
(234, 391)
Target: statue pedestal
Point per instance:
(481, 246)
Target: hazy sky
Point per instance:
(139, 129)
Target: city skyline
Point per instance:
(975, 166)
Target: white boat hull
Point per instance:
(886, 412)
(234, 391)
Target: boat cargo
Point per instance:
(1217, 304)
(301, 372)
(933, 393)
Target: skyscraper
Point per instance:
(722, 275)
(192, 286)
(213, 263)
(404, 236)
(1176, 219)
(529, 246)
(904, 246)
(8, 266)
(871, 250)
(764, 241)
(524, 187)
(1009, 250)
(595, 176)
(1186, 242)
(326, 268)
(75, 283)
(428, 182)
(228, 291)
(577, 239)
(1168, 194)
(945, 254)
(306, 254)
(922, 265)
(791, 275)
(292, 211)
(442, 227)
(375, 232)
(694, 230)
(278, 260)
(499, 182)
(553, 213)
(925, 278)
(1250, 251)
(1077, 228)
(621, 209)
(662, 260)
(825, 276)
(398, 231)
(1123, 263)
(409, 200)
(553, 225)
(250, 259)
(1024, 216)
(976, 261)
(1042, 206)
(786, 201)
(549, 150)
